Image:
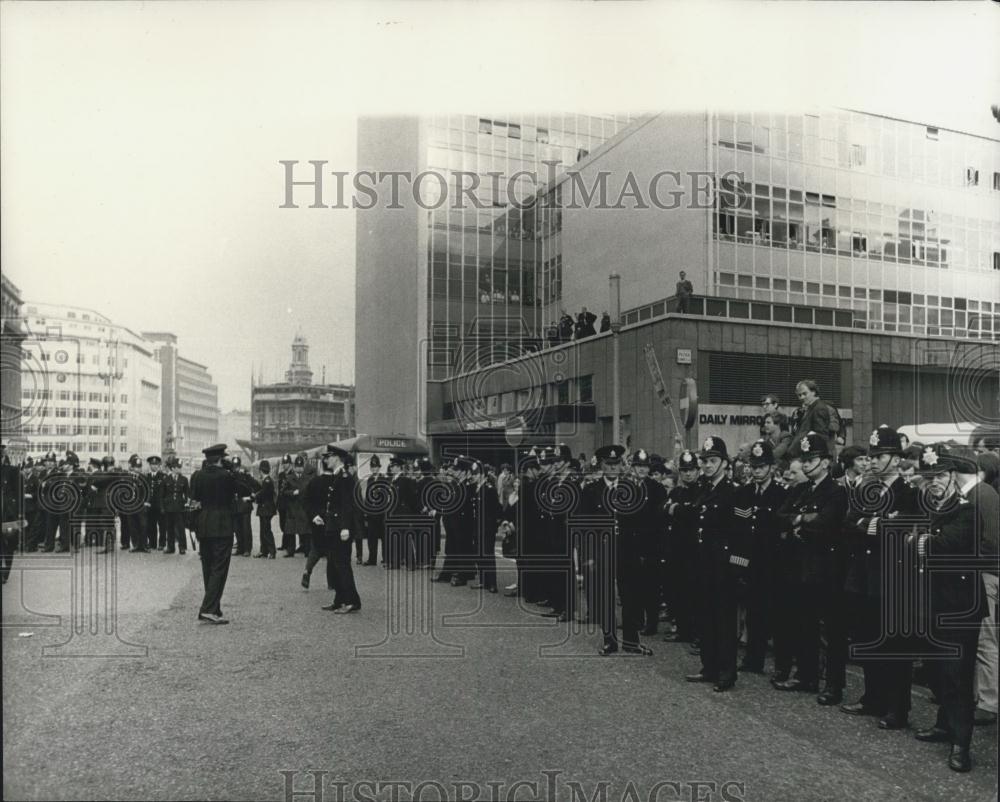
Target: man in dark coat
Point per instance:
(816, 521)
(585, 324)
(330, 501)
(156, 529)
(214, 488)
(266, 509)
(293, 491)
(723, 560)
(682, 547)
(485, 520)
(174, 491)
(814, 415)
(649, 523)
(965, 518)
(134, 523)
(881, 511)
(459, 562)
(11, 509)
(246, 488)
(756, 506)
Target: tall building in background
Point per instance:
(88, 384)
(11, 337)
(190, 413)
(850, 247)
(450, 284)
(234, 427)
(294, 415)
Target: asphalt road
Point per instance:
(462, 688)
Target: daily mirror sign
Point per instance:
(737, 424)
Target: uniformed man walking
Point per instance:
(156, 529)
(213, 488)
(330, 499)
(266, 509)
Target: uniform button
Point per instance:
(868, 551)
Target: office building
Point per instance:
(11, 337)
(857, 249)
(295, 414)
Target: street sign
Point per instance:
(683, 356)
(689, 402)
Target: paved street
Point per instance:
(219, 712)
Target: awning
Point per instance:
(402, 445)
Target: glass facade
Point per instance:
(495, 266)
(836, 208)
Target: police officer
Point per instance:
(964, 513)
(246, 488)
(458, 565)
(485, 519)
(174, 490)
(330, 500)
(816, 520)
(398, 547)
(615, 552)
(266, 509)
(134, 523)
(881, 511)
(722, 561)
(282, 502)
(649, 522)
(682, 551)
(214, 488)
(756, 508)
(528, 526)
(11, 506)
(296, 517)
(156, 529)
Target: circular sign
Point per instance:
(60, 377)
(61, 357)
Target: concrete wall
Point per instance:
(390, 316)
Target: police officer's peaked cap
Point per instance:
(813, 445)
(94, 462)
(714, 447)
(154, 460)
(687, 461)
(214, 451)
(336, 451)
(761, 453)
(884, 440)
(108, 461)
(611, 454)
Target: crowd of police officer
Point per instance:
(805, 559)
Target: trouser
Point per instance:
(682, 304)
(815, 604)
(717, 615)
(176, 535)
(757, 602)
(243, 532)
(459, 557)
(651, 574)
(7, 545)
(952, 681)
(374, 532)
(267, 545)
(888, 681)
(215, 553)
(682, 573)
(321, 547)
(156, 529)
(986, 655)
(134, 530)
(359, 549)
(36, 530)
(101, 530)
(783, 602)
(345, 591)
(486, 558)
(57, 524)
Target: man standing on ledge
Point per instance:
(214, 488)
(684, 292)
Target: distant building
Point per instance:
(234, 426)
(11, 337)
(190, 413)
(296, 414)
(87, 384)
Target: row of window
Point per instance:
(68, 395)
(76, 412)
(93, 431)
(61, 447)
(569, 391)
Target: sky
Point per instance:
(140, 142)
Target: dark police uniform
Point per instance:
(649, 522)
(134, 523)
(156, 527)
(297, 519)
(458, 565)
(174, 490)
(331, 497)
(266, 509)
(375, 489)
(214, 487)
(246, 488)
(682, 551)
(485, 518)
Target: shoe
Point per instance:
(779, 676)
(959, 759)
(476, 585)
(123, 548)
(699, 677)
(751, 668)
(723, 685)
(369, 562)
(695, 651)
(458, 583)
(609, 647)
(212, 618)
(441, 578)
(360, 561)
(933, 735)
(796, 685)
(260, 556)
(492, 589)
(169, 551)
(331, 607)
(510, 593)
(267, 556)
(305, 581)
(350, 608)
(637, 648)
(858, 709)
(830, 696)
(893, 722)
(984, 718)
